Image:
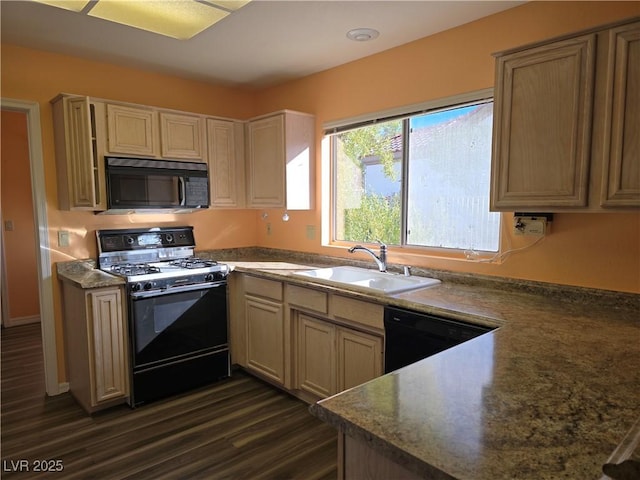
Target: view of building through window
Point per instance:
(445, 173)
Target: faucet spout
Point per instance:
(381, 259)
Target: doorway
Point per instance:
(43, 258)
(17, 239)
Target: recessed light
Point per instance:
(362, 34)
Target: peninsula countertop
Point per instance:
(549, 394)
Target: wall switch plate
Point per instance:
(8, 225)
(63, 238)
(268, 229)
(535, 226)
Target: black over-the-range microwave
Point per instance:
(150, 184)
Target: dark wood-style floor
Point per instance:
(239, 428)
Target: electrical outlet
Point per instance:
(311, 232)
(8, 225)
(536, 226)
(268, 228)
(63, 238)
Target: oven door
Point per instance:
(177, 323)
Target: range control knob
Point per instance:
(148, 286)
(209, 277)
(136, 287)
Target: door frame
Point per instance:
(45, 280)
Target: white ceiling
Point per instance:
(262, 44)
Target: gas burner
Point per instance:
(129, 269)
(193, 262)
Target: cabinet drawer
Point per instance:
(365, 313)
(307, 298)
(263, 287)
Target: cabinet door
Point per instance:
(132, 130)
(226, 172)
(359, 358)
(83, 175)
(181, 136)
(265, 337)
(621, 182)
(265, 162)
(542, 126)
(110, 377)
(316, 365)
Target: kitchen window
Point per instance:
(418, 180)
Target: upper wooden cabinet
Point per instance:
(566, 124)
(621, 135)
(155, 134)
(132, 131)
(280, 161)
(87, 129)
(182, 137)
(225, 147)
(79, 153)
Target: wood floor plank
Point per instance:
(239, 428)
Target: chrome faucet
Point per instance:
(381, 260)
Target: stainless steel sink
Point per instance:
(365, 279)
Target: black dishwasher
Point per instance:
(411, 336)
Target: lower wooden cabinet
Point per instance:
(316, 356)
(331, 358)
(359, 358)
(97, 358)
(265, 337)
(311, 342)
(357, 459)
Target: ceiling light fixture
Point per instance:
(73, 5)
(180, 19)
(362, 34)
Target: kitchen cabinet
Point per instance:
(86, 129)
(359, 358)
(132, 130)
(225, 140)
(79, 153)
(182, 137)
(152, 133)
(357, 459)
(566, 123)
(265, 328)
(333, 353)
(621, 135)
(332, 358)
(316, 356)
(95, 334)
(311, 342)
(280, 161)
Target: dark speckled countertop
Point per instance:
(550, 394)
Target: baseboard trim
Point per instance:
(14, 322)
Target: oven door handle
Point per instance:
(178, 289)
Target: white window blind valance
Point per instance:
(400, 113)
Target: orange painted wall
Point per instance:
(17, 207)
(590, 250)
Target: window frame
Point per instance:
(332, 129)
